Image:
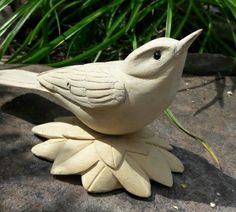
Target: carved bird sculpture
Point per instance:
(112, 98)
(116, 97)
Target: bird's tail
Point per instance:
(20, 78)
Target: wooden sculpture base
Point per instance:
(107, 162)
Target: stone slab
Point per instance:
(202, 105)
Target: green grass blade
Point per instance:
(202, 17)
(184, 19)
(5, 26)
(112, 26)
(148, 32)
(134, 15)
(79, 9)
(151, 7)
(72, 4)
(40, 53)
(90, 52)
(87, 3)
(97, 56)
(201, 50)
(169, 114)
(5, 44)
(134, 41)
(42, 20)
(116, 23)
(231, 4)
(4, 4)
(109, 25)
(169, 18)
(228, 19)
(57, 19)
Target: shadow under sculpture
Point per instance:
(110, 146)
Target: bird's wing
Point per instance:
(89, 88)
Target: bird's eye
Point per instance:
(157, 55)
(68, 85)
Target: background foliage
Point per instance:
(65, 32)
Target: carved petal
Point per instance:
(156, 167)
(133, 178)
(155, 140)
(144, 133)
(48, 149)
(75, 160)
(137, 145)
(61, 130)
(174, 163)
(159, 168)
(100, 179)
(80, 133)
(111, 153)
(70, 148)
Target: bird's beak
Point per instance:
(186, 42)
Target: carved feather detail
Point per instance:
(88, 88)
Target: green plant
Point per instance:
(170, 115)
(63, 32)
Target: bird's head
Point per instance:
(159, 56)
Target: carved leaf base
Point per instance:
(107, 162)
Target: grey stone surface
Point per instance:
(202, 105)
